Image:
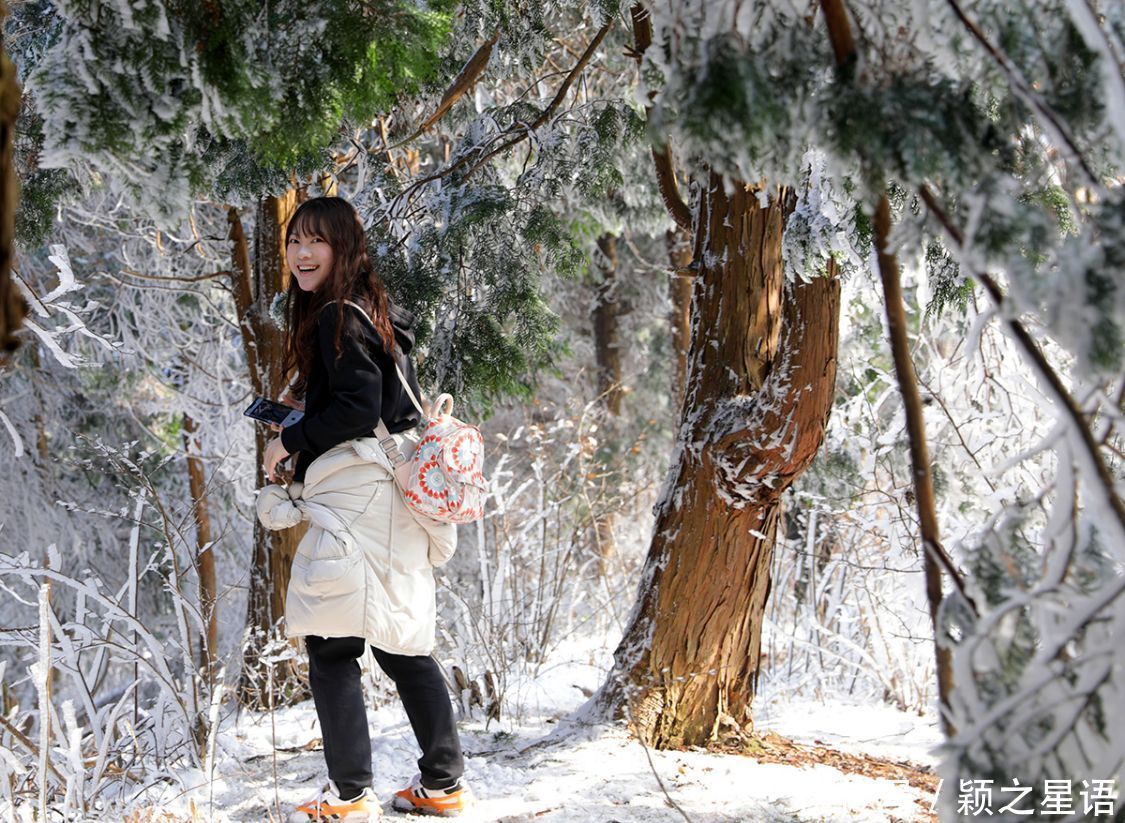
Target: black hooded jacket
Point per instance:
(346, 396)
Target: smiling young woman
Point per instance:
(310, 259)
(347, 372)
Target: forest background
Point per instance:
(808, 315)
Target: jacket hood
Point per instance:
(403, 323)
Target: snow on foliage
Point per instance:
(1016, 132)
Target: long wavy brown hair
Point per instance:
(335, 221)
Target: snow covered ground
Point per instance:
(544, 765)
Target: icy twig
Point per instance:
(43, 685)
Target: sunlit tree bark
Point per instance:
(761, 377)
(273, 552)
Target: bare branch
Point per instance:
(174, 279)
(661, 154)
(462, 84)
(30, 746)
(525, 131)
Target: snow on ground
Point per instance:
(877, 730)
(543, 765)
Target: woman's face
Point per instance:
(310, 259)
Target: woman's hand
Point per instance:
(275, 453)
(287, 400)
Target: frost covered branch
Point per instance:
(1104, 484)
(479, 156)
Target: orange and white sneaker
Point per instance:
(418, 799)
(327, 805)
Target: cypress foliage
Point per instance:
(181, 99)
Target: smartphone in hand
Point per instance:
(267, 411)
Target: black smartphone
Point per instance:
(268, 411)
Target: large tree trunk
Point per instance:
(761, 378)
(12, 307)
(273, 551)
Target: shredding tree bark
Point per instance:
(761, 378)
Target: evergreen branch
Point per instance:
(1034, 353)
(462, 84)
(1023, 90)
(662, 154)
(525, 131)
(1086, 20)
(1047, 676)
(554, 105)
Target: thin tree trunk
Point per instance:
(205, 557)
(761, 379)
(607, 311)
(42, 438)
(242, 276)
(680, 286)
(919, 453)
(45, 688)
(272, 276)
(12, 307)
(273, 551)
(934, 555)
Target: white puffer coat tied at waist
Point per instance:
(365, 566)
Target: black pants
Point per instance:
(334, 676)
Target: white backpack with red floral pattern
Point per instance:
(443, 478)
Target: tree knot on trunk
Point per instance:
(749, 444)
